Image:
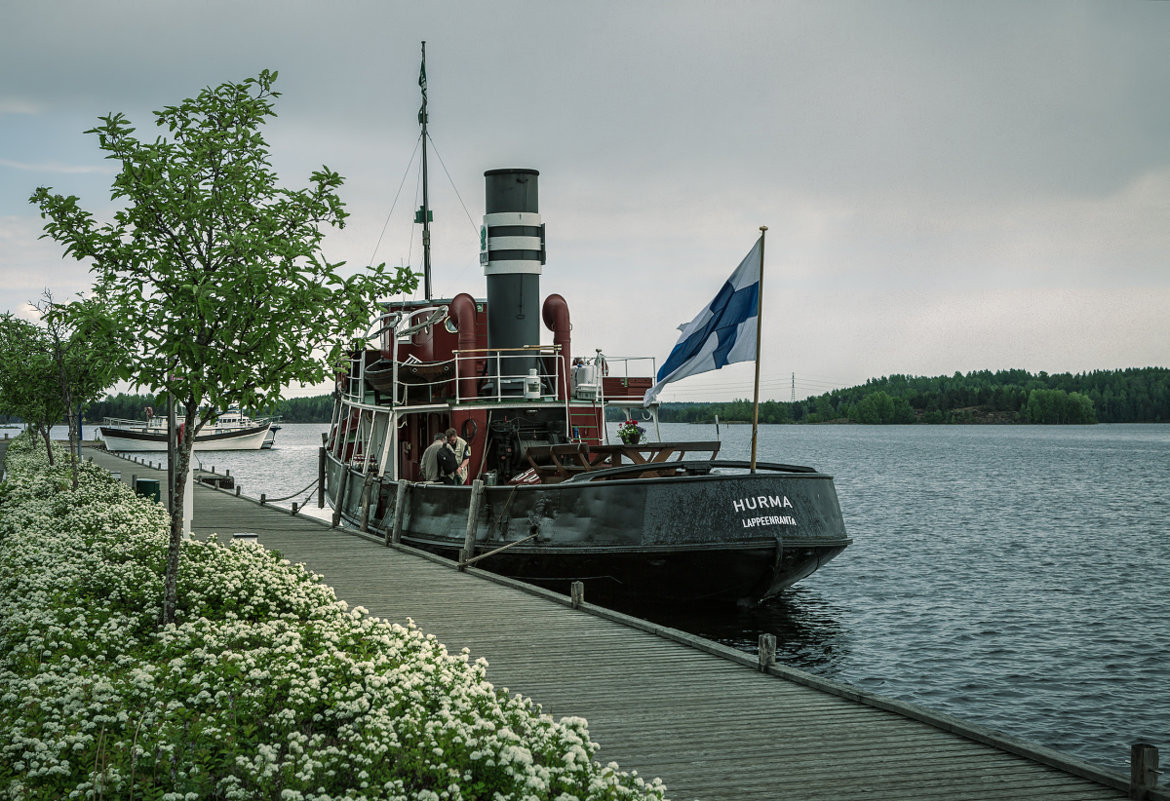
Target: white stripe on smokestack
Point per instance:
(502, 221)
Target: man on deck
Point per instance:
(462, 455)
(430, 459)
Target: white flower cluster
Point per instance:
(267, 686)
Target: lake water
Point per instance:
(1017, 577)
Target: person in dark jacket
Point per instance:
(430, 459)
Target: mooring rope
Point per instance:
(295, 494)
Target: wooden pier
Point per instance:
(705, 718)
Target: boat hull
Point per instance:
(124, 439)
(721, 537)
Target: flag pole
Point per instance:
(759, 340)
(424, 214)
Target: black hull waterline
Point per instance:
(721, 536)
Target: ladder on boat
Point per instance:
(583, 426)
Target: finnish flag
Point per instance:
(724, 332)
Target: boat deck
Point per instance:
(701, 716)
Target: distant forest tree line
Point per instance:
(1137, 395)
(316, 409)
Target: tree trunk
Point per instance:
(74, 437)
(44, 432)
(182, 466)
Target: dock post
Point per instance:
(294, 508)
(577, 594)
(472, 523)
(395, 534)
(341, 495)
(321, 477)
(1143, 770)
(366, 503)
(263, 498)
(767, 651)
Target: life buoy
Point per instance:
(469, 429)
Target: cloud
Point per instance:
(15, 105)
(56, 167)
(29, 264)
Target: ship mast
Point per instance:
(424, 213)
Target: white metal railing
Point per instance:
(619, 367)
(613, 363)
(510, 367)
(587, 376)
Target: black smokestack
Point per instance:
(512, 252)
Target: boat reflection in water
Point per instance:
(809, 632)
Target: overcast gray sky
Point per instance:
(947, 186)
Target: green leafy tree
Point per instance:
(216, 269)
(86, 347)
(28, 381)
(875, 408)
(50, 372)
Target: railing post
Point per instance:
(1143, 770)
(472, 523)
(458, 389)
(767, 652)
(321, 477)
(399, 511)
(341, 494)
(366, 503)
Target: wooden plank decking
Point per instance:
(666, 704)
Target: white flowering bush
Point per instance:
(266, 687)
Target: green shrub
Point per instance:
(266, 687)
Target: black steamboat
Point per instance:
(548, 497)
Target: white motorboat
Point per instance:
(231, 431)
